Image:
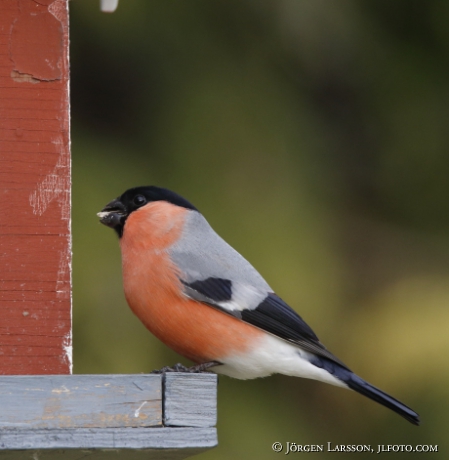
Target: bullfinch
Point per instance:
(201, 298)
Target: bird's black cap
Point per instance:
(115, 213)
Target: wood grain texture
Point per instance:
(102, 417)
(190, 399)
(35, 256)
(80, 401)
(106, 444)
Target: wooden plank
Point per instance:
(80, 401)
(190, 399)
(106, 444)
(103, 417)
(35, 256)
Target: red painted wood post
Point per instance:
(35, 254)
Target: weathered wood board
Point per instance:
(35, 255)
(107, 416)
(180, 390)
(106, 444)
(80, 401)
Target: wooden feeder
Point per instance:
(45, 411)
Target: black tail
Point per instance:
(355, 383)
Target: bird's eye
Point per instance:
(139, 200)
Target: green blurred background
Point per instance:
(313, 135)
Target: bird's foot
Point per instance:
(203, 367)
(176, 368)
(197, 369)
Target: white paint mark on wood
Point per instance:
(62, 389)
(68, 349)
(137, 412)
(58, 9)
(55, 185)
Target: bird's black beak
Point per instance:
(113, 214)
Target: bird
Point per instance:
(205, 301)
